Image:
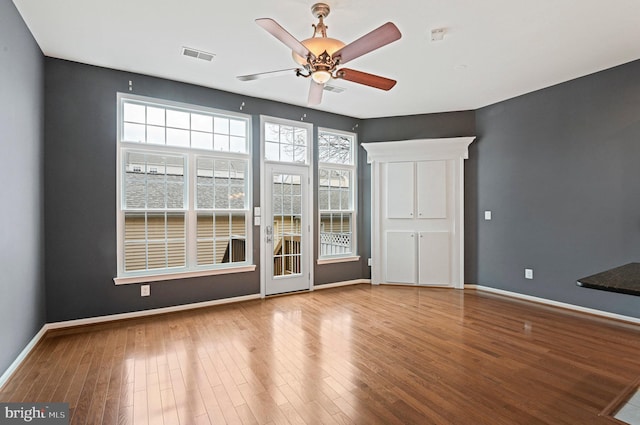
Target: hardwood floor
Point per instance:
(361, 354)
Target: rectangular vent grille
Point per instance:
(198, 54)
(334, 89)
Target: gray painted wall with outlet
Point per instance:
(559, 170)
(80, 192)
(556, 168)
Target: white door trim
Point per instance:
(264, 255)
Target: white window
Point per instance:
(286, 143)
(336, 193)
(183, 190)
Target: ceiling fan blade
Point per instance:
(315, 93)
(377, 38)
(276, 30)
(367, 79)
(268, 74)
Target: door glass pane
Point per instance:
(285, 143)
(287, 217)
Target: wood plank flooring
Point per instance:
(353, 355)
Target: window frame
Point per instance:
(353, 169)
(191, 155)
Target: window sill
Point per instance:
(337, 260)
(184, 275)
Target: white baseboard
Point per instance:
(343, 283)
(559, 304)
(23, 355)
(143, 313)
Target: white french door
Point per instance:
(286, 228)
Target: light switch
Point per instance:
(487, 215)
(256, 211)
(256, 221)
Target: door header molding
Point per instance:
(419, 149)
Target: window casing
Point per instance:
(183, 189)
(337, 194)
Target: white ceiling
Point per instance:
(493, 49)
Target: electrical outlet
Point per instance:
(487, 215)
(369, 262)
(528, 273)
(145, 290)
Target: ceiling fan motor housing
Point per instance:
(320, 10)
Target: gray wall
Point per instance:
(559, 169)
(80, 192)
(22, 308)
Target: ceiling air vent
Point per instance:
(199, 54)
(334, 89)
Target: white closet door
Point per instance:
(435, 258)
(400, 190)
(401, 261)
(432, 189)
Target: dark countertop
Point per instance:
(624, 279)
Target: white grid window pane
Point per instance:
(272, 132)
(154, 241)
(286, 143)
(201, 140)
(286, 153)
(222, 184)
(133, 132)
(153, 181)
(221, 142)
(238, 128)
(272, 151)
(336, 235)
(176, 137)
(202, 123)
(237, 144)
(178, 128)
(335, 148)
(155, 135)
(177, 119)
(134, 113)
(221, 125)
(221, 238)
(155, 116)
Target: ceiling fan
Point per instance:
(319, 57)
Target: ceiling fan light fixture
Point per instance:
(320, 56)
(317, 46)
(321, 76)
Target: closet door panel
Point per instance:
(401, 257)
(400, 190)
(435, 258)
(432, 189)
